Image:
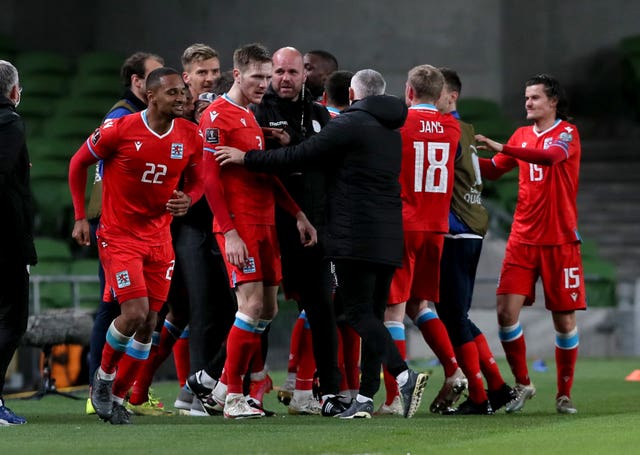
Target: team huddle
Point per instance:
(217, 188)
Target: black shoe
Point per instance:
(468, 407)
(119, 415)
(358, 410)
(332, 406)
(498, 398)
(257, 405)
(411, 392)
(101, 397)
(194, 384)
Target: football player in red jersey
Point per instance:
(429, 144)
(243, 204)
(144, 156)
(544, 240)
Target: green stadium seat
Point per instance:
(48, 168)
(97, 85)
(53, 207)
(100, 63)
(472, 109)
(44, 85)
(90, 106)
(36, 106)
(40, 62)
(47, 149)
(89, 293)
(53, 295)
(52, 249)
(589, 249)
(600, 282)
(498, 128)
(74, 127)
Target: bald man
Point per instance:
(289, 115)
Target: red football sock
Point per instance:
(565, 364)
(390, 384)
(157, 356)
(344, 385)
(516, 352)
(488, 363)
(242, 345)
(137, 353)
(351, 350)
(181, 359)
(294, 345)
(306, 362)
(436, 336)
(467, 355)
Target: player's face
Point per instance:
(316, 72)
(538, 105)
(445, 102)
(253, 81)
(201, 75)
(170, 97)
(288, 75)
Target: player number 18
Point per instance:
(437, 172)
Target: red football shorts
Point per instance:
(263, 263)
(559, 267)
(133, 269)
(419, 277)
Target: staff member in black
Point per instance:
(17, 250)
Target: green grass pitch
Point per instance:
(608, 422)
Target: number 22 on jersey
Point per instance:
(434, 180)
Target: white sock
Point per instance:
(363, 399)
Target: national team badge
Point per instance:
(177, 150)
(212, 135)
(249, 266)
(122, 278)
(547, 142)
(566, 137)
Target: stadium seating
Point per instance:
(44, 85)
(40, 62)
(100, 63)
(54, 258)
(600, 282)
(88, 293)
(97, 85)
(72, 127)
(54, 215)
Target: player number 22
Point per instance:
(436, 168)
(154, 173)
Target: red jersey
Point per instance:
(546, 212)
(235, 194)
(141, 169)
(429, 144)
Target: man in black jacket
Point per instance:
(17, 251)
(288, 107)
(360, 151)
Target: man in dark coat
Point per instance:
(360, 151)
(17, 251)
